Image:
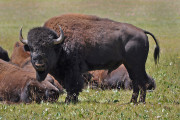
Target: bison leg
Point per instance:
(135, 83)
(135, 92)
(139, 81)
(142, 94)
(143, 87)
(136, 51)
(73, 84)
(71, 98)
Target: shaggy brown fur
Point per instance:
(18, 85)
(19, 56)
(88, 29)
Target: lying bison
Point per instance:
(117, 79)
(19, 55)
(88, 43)
(18, 85)
(4, 54)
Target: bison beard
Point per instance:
(41, 75)
(90, 43)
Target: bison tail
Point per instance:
(157, 48)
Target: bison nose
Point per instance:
(40, 66)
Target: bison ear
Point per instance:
(17, 44)
(26, 48)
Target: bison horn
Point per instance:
(61, 38)
(21, 37)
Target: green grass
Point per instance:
(161, 17)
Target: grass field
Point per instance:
(161, 17)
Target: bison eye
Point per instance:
(26, 48)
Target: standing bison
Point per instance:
(88, 43)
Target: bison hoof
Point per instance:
(142, 101)
(133, 101)
(71, 99)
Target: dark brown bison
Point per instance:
(88, 43)
(117, 79)
(21, 58)
(18, 85)
(4, 54)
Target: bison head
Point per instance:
(43, 45)
(45, 90)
